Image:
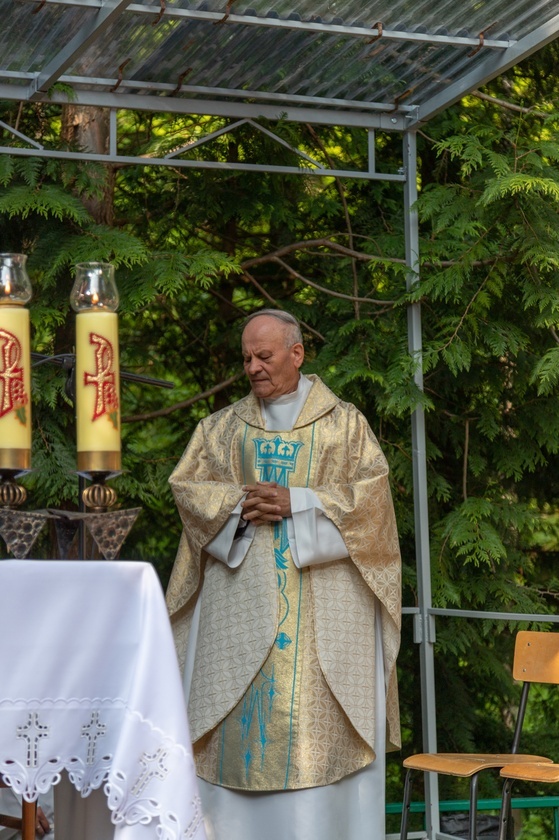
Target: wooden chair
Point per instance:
(27, 823)
(540, 772)
(536, 659)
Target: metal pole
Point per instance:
(424, 627)
(82, 534)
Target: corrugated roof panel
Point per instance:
(240, 56)
(29, 39)
(320, 49)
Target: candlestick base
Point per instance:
(12, 494)
(98, 497)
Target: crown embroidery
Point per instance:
(276, 459)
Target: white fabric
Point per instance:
(225, 547)
(354, 807)
(95, 690)
(351, 809)
(281, 413)
(313, 538)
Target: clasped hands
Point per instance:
(265, 502)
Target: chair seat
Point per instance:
(467, 764)
(540, 772)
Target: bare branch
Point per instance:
(314, 285)
(341, 192)
(314, 243)
(465, 461)
(307, 244)
(162, 412)
(262, 291)
(504, 104)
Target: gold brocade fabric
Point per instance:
(241, 608)
(276, 738)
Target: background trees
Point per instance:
(196, 250)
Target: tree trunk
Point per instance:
(87, 129)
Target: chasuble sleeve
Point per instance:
(353, 487)
(207, 487)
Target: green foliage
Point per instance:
(197, 250)
(50, 201)
(546, 372)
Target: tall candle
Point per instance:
(15, 364)
(97, 369)
(97, 391)
(15, 388)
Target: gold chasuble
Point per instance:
(283, 687)
(266, 741)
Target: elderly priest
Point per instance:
(285, 597)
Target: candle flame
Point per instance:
(94, 298)
(8, 287)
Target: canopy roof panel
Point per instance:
(381, 64)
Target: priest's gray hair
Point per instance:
(293, 330)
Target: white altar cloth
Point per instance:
(89, 683)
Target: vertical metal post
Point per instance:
(113, 128)
(425, 635)
(371, 146)
(82, 535)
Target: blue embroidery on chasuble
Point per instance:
(276, 459)
(258, 735)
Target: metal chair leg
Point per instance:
(505, 813)
(473, 807)
(406, 806)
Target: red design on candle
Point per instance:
(12, 386)
(104, 379)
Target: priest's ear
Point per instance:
(297, 354)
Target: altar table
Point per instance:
(90, 685)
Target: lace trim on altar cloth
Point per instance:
(144, 810)
(143, 771)
(123, 808)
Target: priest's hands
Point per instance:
(265, 502)
(42, 826)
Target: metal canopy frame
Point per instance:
(318, 63)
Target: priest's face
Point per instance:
(271, 366)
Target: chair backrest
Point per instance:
(536, 657)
